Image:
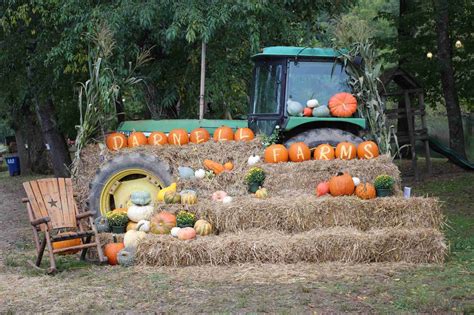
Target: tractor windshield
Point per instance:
(267, 88)
(315, 80)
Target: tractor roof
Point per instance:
(291, 51)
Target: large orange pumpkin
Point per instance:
(162, 223)
(346, 151)
(365, 191)
(299, 152)
(367, 150)
(116, 141)
(137, 139)
(244, 134)
(324, 152)
(157, 138)
(111, 250)
(223, 133)
(178, 137)
(341, 184)
(199, 135)
(342, 105)
(67, 243)
(276, 153)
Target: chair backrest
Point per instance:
(53, 198)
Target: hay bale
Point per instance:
(335, 244)
(306, 212)
(282, 178)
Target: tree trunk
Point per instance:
(30, 145)
(203, 81)
(53, 139)
(456, 134)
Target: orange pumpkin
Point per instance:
(199, 135)
(276, 153)
(346, 151)
(341, 184)
(116, 141)
(299, 152)
(308, 112)
(157, 138)
(365, 191)
(223, 133)
(111, 250)
(244, 134)
(367, 150)
(187, 233)
(342, 105)
(229, 166)
(162, 223)
(67, 243)
(324, 152)
(217, 168)
(178, 137)
(136, 139)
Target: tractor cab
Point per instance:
(296, 74)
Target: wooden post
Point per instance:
(411, 134)
(203, 80)
(424, 127)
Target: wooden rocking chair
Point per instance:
(52, 208)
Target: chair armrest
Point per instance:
(84, 215)
(40, 221)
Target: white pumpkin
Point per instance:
(253, 159)
(132, 237)
(227, 199)
(294, 108)
(356, 181)
(138, 213)
(143, 225)
(200, 173)
(174, 231)
(312, 103)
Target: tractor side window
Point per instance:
(315, 80)
(267, 88)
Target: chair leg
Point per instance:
(41, 251)
(52, 261)
(102, 258)
(84, 251)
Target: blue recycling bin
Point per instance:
(13, 163)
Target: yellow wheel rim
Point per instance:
(118, 187)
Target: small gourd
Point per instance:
(227, 199)
(172, 197)
(321, 111)
(143, 225)
(294, 108)
(253, 159)
(162, 192)
(203, 227)
(200, 173)
(140, 198)
(356, 181)
(188, 197)
(261, 193)
(312, 103)
(187, 233)
(185, 172)
(132, 237)
(138, 213)
(174, 231)
(126, 257)
(219, 195)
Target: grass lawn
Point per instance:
(328, 287)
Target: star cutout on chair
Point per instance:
(52, 203)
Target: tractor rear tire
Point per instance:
(315, 137)
(145, 163)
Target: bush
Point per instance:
(117, 218)
(384, 182)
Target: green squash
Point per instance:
(140, 198)
(321, 111)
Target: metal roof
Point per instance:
(291, 51)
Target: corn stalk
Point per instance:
(364, 69)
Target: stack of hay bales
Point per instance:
(292, 224)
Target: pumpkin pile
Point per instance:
(340, 105)
(344, 184)
(299, 152)
(116, 141)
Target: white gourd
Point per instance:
(143, 225)
(356, 181)
(132, 237)
(200, 173)
(312, 103)
(174, 231)
(253, 159)
(227, 199)
(138, 213)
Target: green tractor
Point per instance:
(281, 75)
